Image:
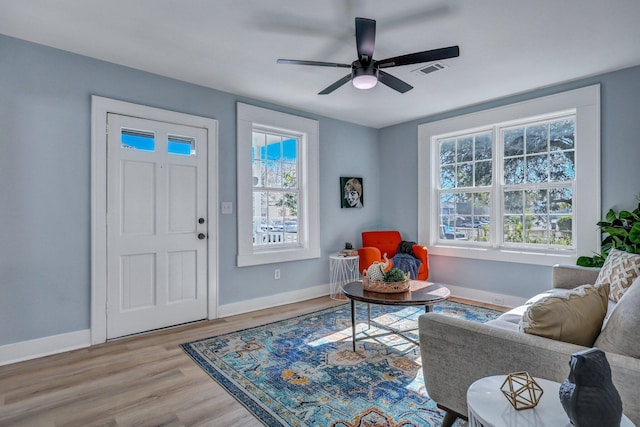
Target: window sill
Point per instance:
(281, 255)
(521, 256)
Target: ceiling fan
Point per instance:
(366, 72)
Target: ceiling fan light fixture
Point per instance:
(365, 77)
(365, 81)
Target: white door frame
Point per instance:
(99, 108)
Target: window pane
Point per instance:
(514, 202)
(562, 134)
(483, 147)
(447, 177)
(259, 173)
(561, 216)
(536, 229)
(290, 150)
(447, 152)
(447, 209)
(137, 140)
(465, 149)
(465, 175)
(562, 166)
(273, 149)
(514, 142)
(537, 168)
(181, 146)
(483, 173)
(514, 170)
(537, 137)
(535, 201)
(257, 143)
(290, 175)
(274, 174)
(513, 228)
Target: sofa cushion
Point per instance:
(620, 269)
(621, 334)
(574, 316)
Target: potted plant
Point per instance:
(348, 250)
(393, 280)
(621, 231)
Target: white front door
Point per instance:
(156, 224)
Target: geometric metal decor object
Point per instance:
(521, 390)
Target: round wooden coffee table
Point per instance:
(420, 293)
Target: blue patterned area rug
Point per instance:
(302, 371)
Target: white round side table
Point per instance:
(342, 270)
(488, 407)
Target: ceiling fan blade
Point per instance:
(365, 39)
(393, 82)
(418, 57)
(336, 85)
(316, 63)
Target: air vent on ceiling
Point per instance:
(433, 67)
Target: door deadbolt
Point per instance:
(200, 220)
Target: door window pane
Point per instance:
(137, 140)
(182, 146)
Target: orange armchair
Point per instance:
(376, 243)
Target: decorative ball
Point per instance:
(521, 390)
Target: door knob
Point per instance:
(200, 220)
(201, 236)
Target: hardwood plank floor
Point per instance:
(144, 380)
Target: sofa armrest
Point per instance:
(567, 276)
(456, 353)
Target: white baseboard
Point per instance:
(25, 350)
(487, 297)
(272, 300)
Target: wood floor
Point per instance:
(146, 380)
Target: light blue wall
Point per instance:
(45, 170)
(45, 190)
(620, 109)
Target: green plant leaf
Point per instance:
(634, 234)
(615, 231)
(629, 216)
(586, 261)
(611, 216)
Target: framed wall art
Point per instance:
(351, 192)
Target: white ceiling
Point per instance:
(506, 46)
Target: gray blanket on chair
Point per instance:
(407, 263)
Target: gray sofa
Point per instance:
(456, 353)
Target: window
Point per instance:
(277, 187)
(274, 160)
(502, 184)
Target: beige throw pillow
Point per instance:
(620, 269)
(574, 316)
(621, 334)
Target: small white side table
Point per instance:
(342, 270)
(489, 408)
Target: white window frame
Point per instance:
(248, 118)
(585, 102)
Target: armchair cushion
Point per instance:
(376, 243)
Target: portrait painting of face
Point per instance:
(352, 192)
